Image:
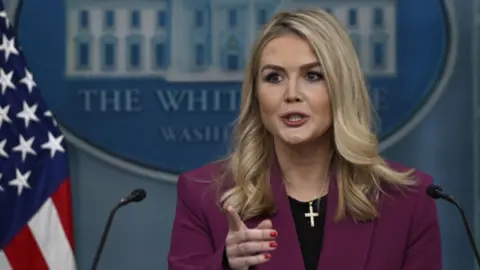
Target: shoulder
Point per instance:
(422, 179)
(202, 177)
(198, 208)
(413, 215)
(412, 200)
(205, 173)
(200, 185)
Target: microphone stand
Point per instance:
(436, 192)
(469, 231)
(103, 240)
(136, 195)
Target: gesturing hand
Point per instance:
(247, 247)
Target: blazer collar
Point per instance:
(344, 237)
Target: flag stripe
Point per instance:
(4, 264)
(54, 245)
(62, 202)
(22, 244)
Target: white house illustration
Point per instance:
(205, 40)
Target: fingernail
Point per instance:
(273, 244)
(273, 234)
(267, 256)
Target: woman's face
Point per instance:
(294, 102)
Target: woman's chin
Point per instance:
(295, 140)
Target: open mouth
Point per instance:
(294, 119)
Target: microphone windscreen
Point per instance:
(139, 195)
(433, 191)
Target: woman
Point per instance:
(305, 187)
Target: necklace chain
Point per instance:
(288, 181)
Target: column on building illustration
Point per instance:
(159, 41)
(83, 42)
(108, 42)
(379, 39)
(217, 24)
(181, 23)
(250, 17)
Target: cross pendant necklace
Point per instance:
(311, 214)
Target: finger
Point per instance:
(250, 248)
(251, 235)
(239, 262)
(235, 223)
(266, 224)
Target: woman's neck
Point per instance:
(305, 168)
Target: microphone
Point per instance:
(136, 195)
(436, 192)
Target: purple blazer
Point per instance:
(406, 235)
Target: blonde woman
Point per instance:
(305, 187)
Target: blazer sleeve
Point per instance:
(424, 244)
(191, 246)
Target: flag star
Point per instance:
(49, 114)
(1, 188)
(6, 80)
(28, 81)
(28, 113)
(25, 147)
(3, 14)
(8, 47)
(3, 153)
(4, 115)
(54, 144)
(20, 181)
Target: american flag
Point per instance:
(36, 230)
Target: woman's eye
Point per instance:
(273, 77)
(314, 76)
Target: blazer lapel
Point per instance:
(346, 244)
(288, 254)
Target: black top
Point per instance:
(310, 237)
(309, 231)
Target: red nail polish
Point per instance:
(273, 234)
(273, 244)
(267, 256)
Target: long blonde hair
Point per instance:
(360, 171)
